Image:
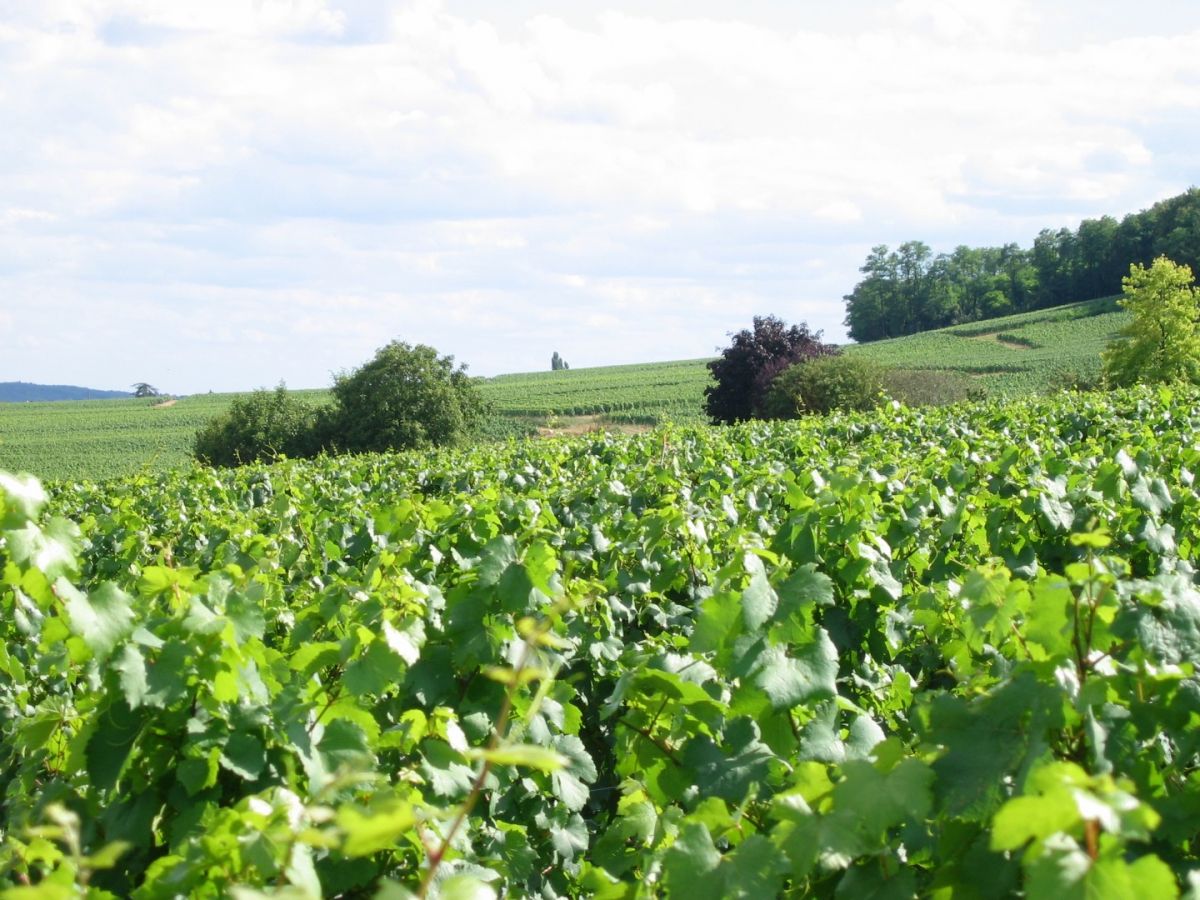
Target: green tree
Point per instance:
(868, 305)
(1162, 341)
(260, 426)
(142, 389)
(406, 397)
(910, 290)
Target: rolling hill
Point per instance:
(24, 392)
(1024, 354)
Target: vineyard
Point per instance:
(97, 439)
(943, 653)
(646, 392)
(101, 439)
(1028, 353)
(1020, 354)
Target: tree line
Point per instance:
(910, 289)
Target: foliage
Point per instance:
(258, 426)
(503, 428)
(142, 389)
(405, 397)
(911, 290)
(1076, 381)
(743, 372)
(824, 384)
(557, 363)
(872, 654)
(1161, 343)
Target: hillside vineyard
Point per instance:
(1034, 352)
(913, 652)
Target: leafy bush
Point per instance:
(261, 425)
(746, 368)
(824, 384)
(406, 397)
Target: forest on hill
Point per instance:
(910, 289)
(24, 392)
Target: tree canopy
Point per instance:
(406, 397)
(1161, 343)
(745, 369)
(911, 289)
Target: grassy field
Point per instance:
(1022, 354)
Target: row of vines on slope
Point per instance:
(943, 652)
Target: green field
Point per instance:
(1028, 353)
(908, 653)
(648, 392)
(96, 439)
(100, 438)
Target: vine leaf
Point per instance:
(102, 619)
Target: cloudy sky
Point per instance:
(220, 194)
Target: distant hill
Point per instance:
(22, 392)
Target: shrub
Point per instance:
(824, 384)
(746, 368)
(260, 426)
(406, 397)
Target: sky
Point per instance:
(225, 194)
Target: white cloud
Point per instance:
(840, 211)
(957, 21)
(270, 174)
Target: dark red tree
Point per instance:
(745, 369)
